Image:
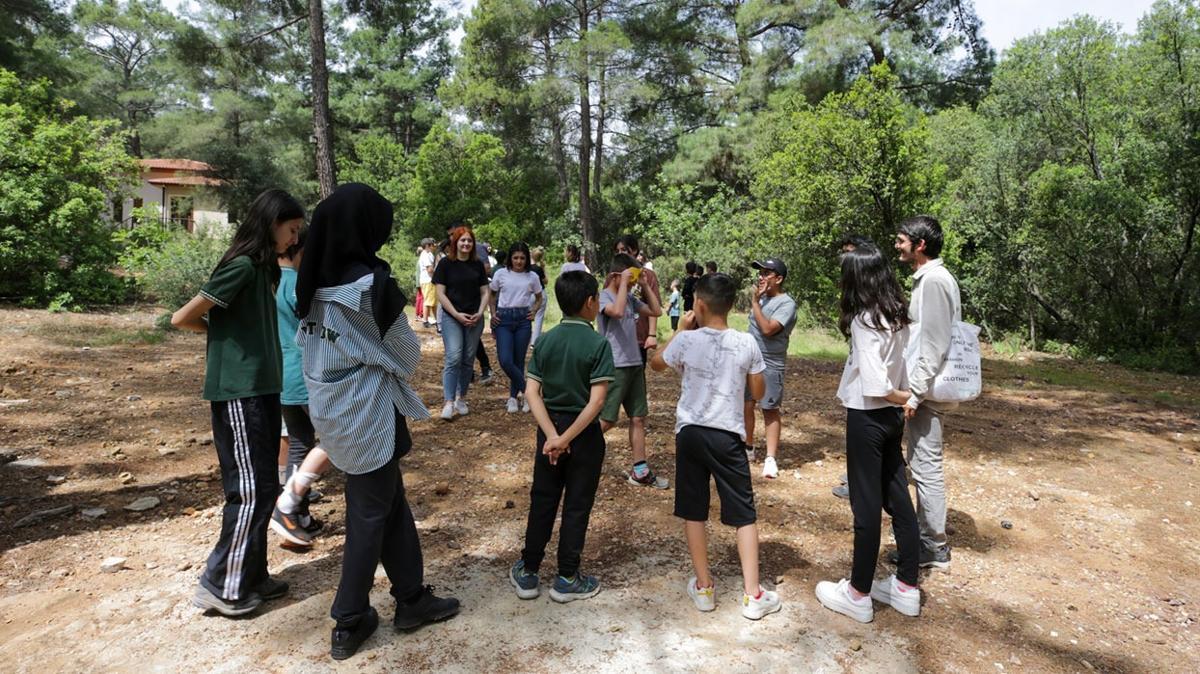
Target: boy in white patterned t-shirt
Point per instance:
(718, 365)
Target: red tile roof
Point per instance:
(186, 180)
(174, 165)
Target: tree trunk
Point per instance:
(322, 127)
(585, 142)
(559, 156)
(602, 113)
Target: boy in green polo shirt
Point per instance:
(568, 379)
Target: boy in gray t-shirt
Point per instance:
(772, 318)
(617, 321)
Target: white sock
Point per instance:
(282, 474)
(289, 501)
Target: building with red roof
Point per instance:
(182, 193)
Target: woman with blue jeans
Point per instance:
(462, 291)
(517, 295)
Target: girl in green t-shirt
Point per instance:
(236, 310)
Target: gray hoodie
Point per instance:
(933, 309)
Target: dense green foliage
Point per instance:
(56, 173)
(172, 266)
(1067, 174)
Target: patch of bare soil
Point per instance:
(1074, 530)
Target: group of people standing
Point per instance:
(308, 325)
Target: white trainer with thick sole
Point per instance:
(836, 597)
(888, 591)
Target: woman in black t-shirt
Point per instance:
(462, 291)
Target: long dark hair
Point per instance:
(254, 237)
(869, 286)
(572, 253)
(519, 247)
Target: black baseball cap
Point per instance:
(771, 264)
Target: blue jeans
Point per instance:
(460, 342)
(512, 335)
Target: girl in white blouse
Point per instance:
(874, 315)
(516, 297)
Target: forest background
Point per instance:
(1067, 174)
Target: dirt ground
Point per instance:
(1071, 489)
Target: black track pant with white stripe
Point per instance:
(246, 435)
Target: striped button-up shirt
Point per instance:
(355, 379)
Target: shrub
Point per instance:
(175, 272)
(58, 173)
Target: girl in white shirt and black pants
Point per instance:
(875, 318)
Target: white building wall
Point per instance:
(151, 195)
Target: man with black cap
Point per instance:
(772, 318)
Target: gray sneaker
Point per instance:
(208, 601)
(525, 583)
(939, 559)
(841, 491)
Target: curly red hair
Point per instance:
(456, 234)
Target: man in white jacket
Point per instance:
(933, 309)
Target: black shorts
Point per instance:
(701, 452)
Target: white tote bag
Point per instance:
(960, 378)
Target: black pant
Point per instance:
(302, 437)
(485, 365)
(246, 436)
(674, 323)
(379, 528)
(577, 475)
(875, 468)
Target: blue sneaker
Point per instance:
(579, 587)
(525, 583)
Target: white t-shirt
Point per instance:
(516, 289)
(714, 365)
(874, 368)
(574, 266)
(424, 263)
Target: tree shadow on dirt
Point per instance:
(174, 493)
(1015, 630)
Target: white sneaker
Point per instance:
(755, 609)
(448, 411)
(887, 591)
(524, 404)
(511, 406)
(770, 470)
(702, 596)
(836, 597)
(460, 406)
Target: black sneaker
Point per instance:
(271, 588)
(289, 528)
(485, 378)
(929, 558)
(345, 643)
(311, 524)
(426, 608)
(210, 602)
(314, 496)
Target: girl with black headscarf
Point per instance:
(359, 353)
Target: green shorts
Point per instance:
(628, 390)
